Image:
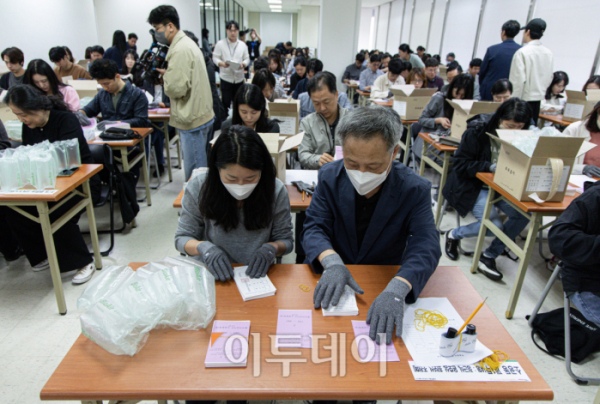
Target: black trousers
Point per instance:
(535, 110)
(8, 241)
(71, 250)
(300, 254)
(228, 91)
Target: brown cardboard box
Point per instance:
(278, 145)
(6, 114)
(579, 105)
(443, 73)
(409, 102)
(84, 88)
(543, 176)
(466, 109)
(287, 111)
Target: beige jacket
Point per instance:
(531, 71)
(577, 129)
(187, 85)
(381, 87)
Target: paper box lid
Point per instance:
(83, 84)
(593, 95)
(471, 107)
(277, 143)
(575, 95)
(284, 105)
(547, 146)
(408, 90)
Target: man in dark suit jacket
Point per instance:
(497, 60)
(368, 209)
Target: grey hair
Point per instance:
(367, 122)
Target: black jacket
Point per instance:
(4, 81)
(473, 156)
(575, 238)
(294, 80)
(218, 109)
(132, 107)
(4, 141)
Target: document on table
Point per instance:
(225, 333)
(298, 325)
(510, 371)
(252, 288)
(423, 346)
(346, 306)
(369, 350)
(579, 180)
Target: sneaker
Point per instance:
(42, 266)
(510, 255)
(84, 274)
(487, 266)
(452, 246)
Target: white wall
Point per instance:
(420, 24)
(435, 35)
(496, 13)
(308, 26)
(393, 41)
(461, 28)
(382, 26)
(408, 7)
(275, 28)
(36, 26)
(131, 15)
(364, 31)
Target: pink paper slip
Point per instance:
(298, 325)
(368, 350)
(228, 345)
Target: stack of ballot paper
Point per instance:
(251, 289)
(233, 65)
(346, 306)
(237, 355)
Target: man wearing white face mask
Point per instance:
(370, 210)
(224, 217)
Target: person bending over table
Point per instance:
(250, 110)
(501, 90)
(589, 163)
(270, 87)
(381, 86)
(369, 75)
(575, 238)
(237, 212)
(49, 118)
(466, 193)
(40, 75)
(371, 210)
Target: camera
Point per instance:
(152, 59)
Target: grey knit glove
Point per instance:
(83, 119)
(493, 168)
(591, 171)
(333, 282)
(261, 261)
(153, 105)
(216, 260)
(102, 125)
(387, 310)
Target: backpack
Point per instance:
(550, 328)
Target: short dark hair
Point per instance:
(232, 23)
(15, 55)
(263, 77)
(262, 62)
(192, 36)
(314, 65)
(375, 58)
(360, 57)
(288, 43)
(405, 48)
(300, 60)
(432, 62)
(205, 33)
(57, 53)
(98, 49)
(557, 77)
(475, 62)
(132, 35)
(319, 80)
(502, 86)
(454, 66)
(511, 28)
(535, 34)
(451, 54)
(420, 48)
(386, 55)
(88, 52)
(436, 56)
(101, 69)
(239, 145)
(164, 15)
(396, 66)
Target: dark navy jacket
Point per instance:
(402, 230)
(132, 107)
(495, 66)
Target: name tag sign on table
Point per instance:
(287, 112)
(30, 192)
(509, 371)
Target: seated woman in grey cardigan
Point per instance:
(237, 212)
(250, 110)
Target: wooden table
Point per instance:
(296, 202)
(155, 119)
(557, 119)
(363, 97)
(430, 146)
(535, 212)
(65, 190)
(122, 145)
(171, 364)
(386, 103)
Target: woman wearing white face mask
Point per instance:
(238, 212)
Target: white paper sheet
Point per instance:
(400, 107)
(578, 180)
(287, 124)
(252, 288)
(574, 111)
(540, 179)
(346, 306)
(423, 346)
(510, 371)
(308, 176)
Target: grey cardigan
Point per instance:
(317, 139)
(239, 244)
(433, 110)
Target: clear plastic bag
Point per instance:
(14, 129)
(9, 174)
(43, 171)
(71, 147)
(123, 305)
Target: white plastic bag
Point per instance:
(9, 174)
(103, 285)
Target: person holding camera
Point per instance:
(231, 49)
(186, 84)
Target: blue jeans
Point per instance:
(588, 304)
(514, 225)
(193, 145)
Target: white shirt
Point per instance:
(381, 87)
(235, 51)
(531, 71)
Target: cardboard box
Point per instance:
(466, 109)
(287, 111)
(84, 88)
(6, 114)
(543, 176)
(410, 102)
(443, 72)
(278, 145)
(579, 105)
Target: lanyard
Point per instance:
(234, 48)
